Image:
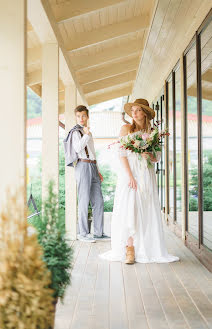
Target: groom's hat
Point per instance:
(144, 104)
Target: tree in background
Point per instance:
(207, 186)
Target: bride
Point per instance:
(136, 227)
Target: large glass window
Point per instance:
(171, 164)
(178, 145)
(192, 141)
(206, 68)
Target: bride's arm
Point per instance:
(132, 182)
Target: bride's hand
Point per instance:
(149, 154)
(132, 183)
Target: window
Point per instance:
(178, 145)
(206, 82)
(171, 162)
(192, 141)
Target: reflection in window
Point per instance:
(206, 67)
(192, 142)
(171, 169)
(178, 145)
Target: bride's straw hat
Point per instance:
(143, 103)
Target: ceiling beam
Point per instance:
(127, 48)
(42, 19)
(95, 99)
(61, 108)
(34, 55)
(37, 89)
(108, 70)
(33, 78)
(109, 82)
(207, 76)
(67, 10)
(107, 32)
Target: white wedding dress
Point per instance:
(137, 214)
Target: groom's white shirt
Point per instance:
(79, 144)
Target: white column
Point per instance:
(13, 96)
(70, 184)
(79, 99)
(50, 116)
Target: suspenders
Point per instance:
(86, 149)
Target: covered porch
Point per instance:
(88, 52)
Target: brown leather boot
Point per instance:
(130, 255)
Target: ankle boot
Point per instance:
(130, 255)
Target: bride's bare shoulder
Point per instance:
(125, 129)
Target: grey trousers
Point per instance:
(89, 190)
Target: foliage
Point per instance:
(207, 186)
(37, 188)
(58, 253)
(108, 187)
(25, 297)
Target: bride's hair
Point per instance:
(147, 126)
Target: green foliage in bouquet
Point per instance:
(58, 254)
(25, 297)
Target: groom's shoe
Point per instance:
(86, 238)
(130, 255)
(102, 237)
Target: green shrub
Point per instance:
(58, 253)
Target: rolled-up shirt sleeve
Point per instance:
(79, 143)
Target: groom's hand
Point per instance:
(101, 177)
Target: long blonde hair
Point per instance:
(147, 126)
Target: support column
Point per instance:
(13, 40)
(79, 99)
(70, 184)
(183, 147)
(50, 116)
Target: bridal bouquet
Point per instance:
(141, 142)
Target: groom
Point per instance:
(79, 151)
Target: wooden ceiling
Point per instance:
(206, 65)
(114, 48)
(102, 40)
(174, 25)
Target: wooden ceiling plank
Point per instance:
(107, 32)
(109, 54)
(109, 82)
(107, 70)
(68, 10)
(107, 96)
(207, 76)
